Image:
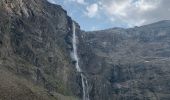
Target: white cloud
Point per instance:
(52, 1)
(92, 10)
(79, 1)
(131, 12)
(123, 12)
(117, 8)
(146, 4)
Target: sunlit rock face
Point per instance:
(127, 64)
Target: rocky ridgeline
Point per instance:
(128, 64)
(119, 64)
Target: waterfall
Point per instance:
(75, 57)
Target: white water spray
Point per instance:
(75, 56)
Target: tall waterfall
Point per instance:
(75, 56)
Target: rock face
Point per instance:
(120, 64)
(35, 46)
(128, 64)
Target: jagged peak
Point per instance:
(28, 7)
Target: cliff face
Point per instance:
(120, 64)
(127, 64)
(35, 45)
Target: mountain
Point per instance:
(119, 64)
(128, 64)
(35, 45)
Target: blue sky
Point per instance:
(103, 14)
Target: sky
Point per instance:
(103, 14)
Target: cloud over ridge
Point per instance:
(117, 13)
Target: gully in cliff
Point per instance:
(76, 59)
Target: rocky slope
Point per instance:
(120, 64)
(128, 64)
(35, 45)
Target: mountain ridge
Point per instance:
(120, 64)
(119, 28)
